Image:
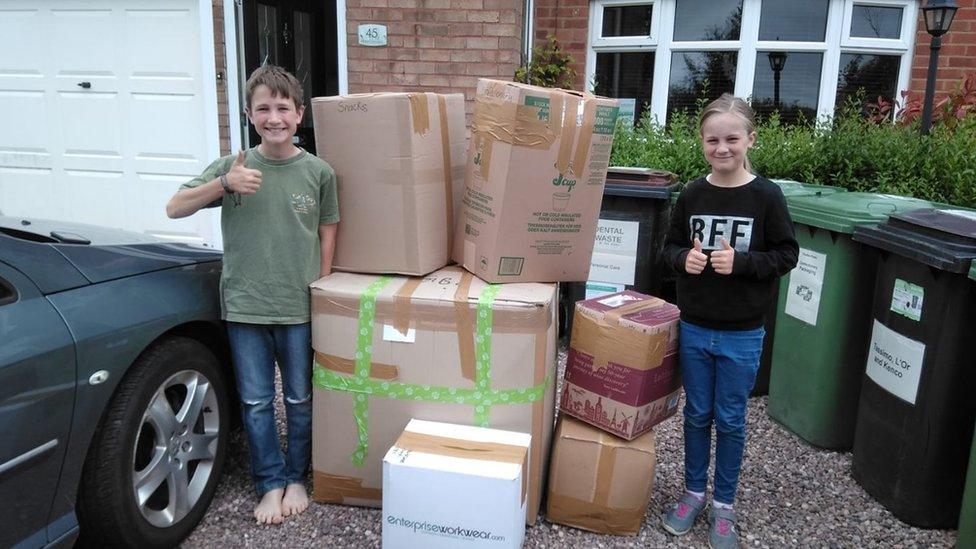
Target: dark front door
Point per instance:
(299, 35)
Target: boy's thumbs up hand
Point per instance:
(243, 180)
(722, 259)
(696, 260)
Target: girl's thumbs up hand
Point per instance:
(696, 260)
(722, 259)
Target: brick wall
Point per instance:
(957, 58)
(569, 21)
(434, 45)
(223, 121)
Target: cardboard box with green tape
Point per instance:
(446, 347)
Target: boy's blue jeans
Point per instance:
(255, 348)
(718, 370)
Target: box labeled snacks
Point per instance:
(446, 347)
(597, 481)
(447, 486)
(399, 164)
(621, 372)
(537, 162)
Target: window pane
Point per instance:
(798, 20)
(303, 60)
(627, 21)
(698, 74)
(268, 34)
(626, 75)
(796, 93)
(877, 75)
(876, 22)
(707, 19)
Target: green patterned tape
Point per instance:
(482, 397)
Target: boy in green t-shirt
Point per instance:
(278, 218)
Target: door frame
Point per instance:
(237, 79)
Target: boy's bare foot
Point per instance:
(295, 500)
(269, 510)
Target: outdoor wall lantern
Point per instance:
(777, 60)
(938, 19)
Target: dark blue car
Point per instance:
(115, 386)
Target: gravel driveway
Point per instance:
(790, 494)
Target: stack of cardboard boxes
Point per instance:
(622, 378)
(449, 344)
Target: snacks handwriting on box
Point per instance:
(533, 184)
(399, 163)
(621, 373)
(446, 347)
(597, 481)
(447, 485)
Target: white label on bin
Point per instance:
(600, 289)
(805, 286)
(906, 299)
(614, 252)
(895, 362)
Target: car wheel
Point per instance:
(156, 458)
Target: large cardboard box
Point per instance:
(599, 482)
(447, 347)
(533, 184)
(622, 369)
(448, 486)
(399, 163)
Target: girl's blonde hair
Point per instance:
(728, 103)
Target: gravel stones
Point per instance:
(790, 494)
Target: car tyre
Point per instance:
(156, 458)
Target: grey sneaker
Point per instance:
(722, 533)
(681, 517)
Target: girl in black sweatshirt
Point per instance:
(730, 240)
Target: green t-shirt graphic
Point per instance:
(271, 240)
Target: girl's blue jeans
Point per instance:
(255, 348)
(718, 370)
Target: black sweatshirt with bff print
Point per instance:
(754, 220)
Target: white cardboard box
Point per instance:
(447, 485)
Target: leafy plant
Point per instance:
(957, 105)
(550, 67)
(851, 151)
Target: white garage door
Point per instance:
(108, 106)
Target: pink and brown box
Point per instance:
(622, 371)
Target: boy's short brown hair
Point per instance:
(281, 83)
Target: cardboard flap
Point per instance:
(439, 286)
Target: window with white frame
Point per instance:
(803, 58)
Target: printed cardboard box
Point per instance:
(597, 481)
(533, 184)
(399, 163)
(448, 486)
(446, 347)
(622, 369)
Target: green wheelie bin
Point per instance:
(967, 516)
(791, 189)
(823, 319)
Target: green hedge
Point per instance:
(851, 152)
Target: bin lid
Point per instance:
(843, 211)
(941, 238)
(621, 175)
(792, 188)
(639, 191)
